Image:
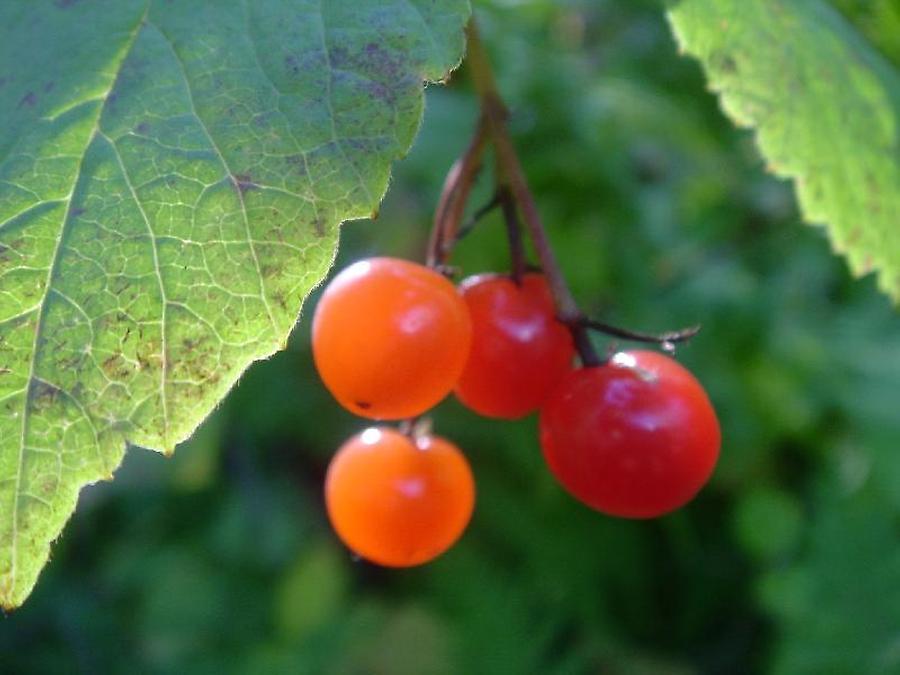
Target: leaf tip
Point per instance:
(8, 601)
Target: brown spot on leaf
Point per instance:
(48, 485)
(73, 362)
(28, 100)
(244, 182)
(296, 165)
(42, 394)
(116, 368)
(384, 69)
(868, 264)
(724, 62)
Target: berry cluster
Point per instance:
(634, 436)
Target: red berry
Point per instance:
(399, 502)
(390, 338)
(635, 438)
(519, 349)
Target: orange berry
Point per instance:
(397, 501)
(390, 338)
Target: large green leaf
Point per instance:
(172, 178)
(826, 107)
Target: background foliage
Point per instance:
(220, 559)
(824, 106)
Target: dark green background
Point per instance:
(220, 560)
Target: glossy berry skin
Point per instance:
(635, 438)
(390, 338)
(399, 502)
(519, 350)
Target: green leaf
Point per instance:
(172, 178)
(826, 108)
(837, 607)
(768, 522)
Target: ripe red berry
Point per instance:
(519, 349)
(390, 338)
(635, 438)
(397, 501)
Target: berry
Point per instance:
(397, 501)
(390, 338)
(519, 350)
(635, 438)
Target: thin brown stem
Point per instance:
(454, 195)
(473, 220)
(415, 428)
(510, 171)
(518, 263)
(665, 340)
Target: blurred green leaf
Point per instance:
(768, 523)
(312, 592)
(840, 607)
(826, 109)
(409, 640)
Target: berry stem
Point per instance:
(666, 340)
(510, 172)
(518, 262)
(454, 195)
(415, 428)
(480, 213)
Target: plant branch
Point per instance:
(666, 340)
(480, 213)
(518, 262)
(454, 195)
(510, 171)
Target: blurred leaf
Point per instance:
(197, 466)
(768, 523)
(172, 177)
(879, 20)
(183, 609)
(826, 108)
(839, 607)
(312, 592)
(409, 641)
